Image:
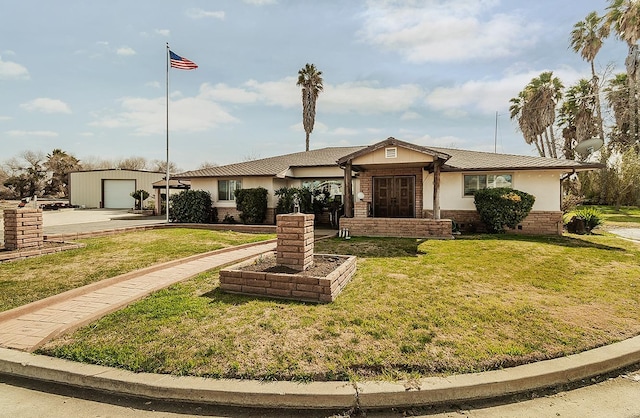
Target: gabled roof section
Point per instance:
(391, 141)
(463, 160)
(274, 166)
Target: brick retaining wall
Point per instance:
(288, 286)
(398, 227)
(23, 228)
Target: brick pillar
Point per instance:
(23, 228)
(294, 248)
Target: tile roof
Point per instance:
(475, 160)
(274, 166)
(460, 160)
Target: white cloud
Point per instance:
(445, 30)
(46, 105)
(222, 92)
(410, 116)
(32, 133)
(344, 132)
(3, 118)
(358, 97)
(490, 96)
(163, 32)
(10, 70)
(368, 98)
(195, 13)
(260, 2)
(125, 50)
(153, 84)
(148, 116)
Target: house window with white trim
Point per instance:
(226, 189)
(473, 182)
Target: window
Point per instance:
(226, 189)
(391, 152)
(331, 187)
(485, 181)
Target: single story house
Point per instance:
(110, 188)
(398, 188)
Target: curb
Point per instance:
(324, 395)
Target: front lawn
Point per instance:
(32, 279)
(413, 309)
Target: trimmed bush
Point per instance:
(502, 207)
(287, 198)
(191, 206)
(252, 204)
(591, 217)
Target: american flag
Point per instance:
(181, 63)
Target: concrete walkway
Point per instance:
(28, 327)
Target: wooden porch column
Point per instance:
(348, 191)
(436, 188)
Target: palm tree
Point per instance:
(586, 39)
(624, 16)
(311, 81)
(576, 115)
(617, 95)
(535, 109)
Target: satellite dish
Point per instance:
(588, 146)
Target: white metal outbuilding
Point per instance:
(110, 188)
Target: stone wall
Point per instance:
(23, 228)
(398, 227)
(536, 223)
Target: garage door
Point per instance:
(117, 194)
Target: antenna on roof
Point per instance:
(588, 146)
(495, 136)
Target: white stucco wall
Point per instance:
(544, 185)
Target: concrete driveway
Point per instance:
(69, 221)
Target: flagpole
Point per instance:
(167, 98)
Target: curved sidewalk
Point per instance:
(25, 328)
(28, 327)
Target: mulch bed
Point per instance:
(322, 266)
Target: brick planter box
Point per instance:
(299, 286)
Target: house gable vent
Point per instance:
(391, 152)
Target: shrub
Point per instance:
(191, 206)
(592, 217)
(502, 207)
(140, 196)
(252, 204)
(287, 197)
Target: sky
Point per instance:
(90, 77)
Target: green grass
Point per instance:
(626, 216)
(31, 279)
(413, 309)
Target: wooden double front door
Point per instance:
(394, 197)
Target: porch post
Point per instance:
(436, 188)
(348, 191)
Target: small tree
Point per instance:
(252, 204)
(140, 196)
(191, 206)
(502, 207)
